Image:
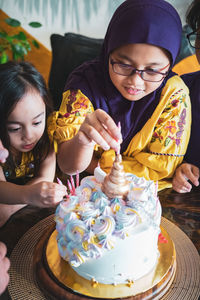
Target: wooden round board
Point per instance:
(70, 285)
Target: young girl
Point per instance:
(131, 83)
(190, 168)
(26, 176)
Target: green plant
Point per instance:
(15, 46)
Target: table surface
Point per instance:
(181, 209)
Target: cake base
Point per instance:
(58, 280)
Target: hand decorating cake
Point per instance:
(108, 226)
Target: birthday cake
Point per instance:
(108, 226)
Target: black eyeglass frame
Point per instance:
(188, 37)
(140, 72)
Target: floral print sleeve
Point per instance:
(65, 123)
(169, 131)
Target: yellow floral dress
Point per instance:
(155, 151)
(22, 172)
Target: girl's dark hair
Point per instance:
(16, 79)
(193, 15)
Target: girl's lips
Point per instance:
(132, 91)
(29, 146)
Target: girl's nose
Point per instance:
(135, 78)
(27, 134)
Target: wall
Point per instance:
(87, 17)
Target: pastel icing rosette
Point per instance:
(75, 231)
(138, 193)
(101, 203)
(86, 194)
(89, 182)
(61, 223)
(89, 222)
(60, 226)
(70, 216)
(90, 244)
(76, 254)
(126, 220)
(66, 206)
(62, 247)
(116, 204)
(103, 228)
(107, 211)
(88, 211)
(96, 195)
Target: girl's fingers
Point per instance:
(109, 124)
(180, 184)
(180, 188)
(102, 129)
(3, 250)
(195, 171)
(190, 172)
(99, 136)
(195, 175)
(3, 155)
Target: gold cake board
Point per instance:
(50, 266)
(23, 284)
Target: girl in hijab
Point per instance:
(131, 83)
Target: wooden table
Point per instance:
(181, 209)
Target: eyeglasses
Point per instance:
(147, 75)
(194, 37)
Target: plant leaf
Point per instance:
(13, 22)
(9, 38)
(35, 24)
(3, 58)
(3, 34)
(19, 49)
(35, 43)
(20, 36)
(16, 56)
(27, 45)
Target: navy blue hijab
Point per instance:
(154, 22)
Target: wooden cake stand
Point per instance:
(58, 280)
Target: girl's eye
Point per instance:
(13, 129)
(37, 123)
(124, 66)
(151, 71)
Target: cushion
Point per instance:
(68, 52)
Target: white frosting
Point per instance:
(130, 259)
(110, 240)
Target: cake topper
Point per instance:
(115, 184)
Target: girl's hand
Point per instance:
(184, 173)
(45, 194)
(3, 153)
(4, 266)
(99, 128)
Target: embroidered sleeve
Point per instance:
(65, 123)
(169, 133)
